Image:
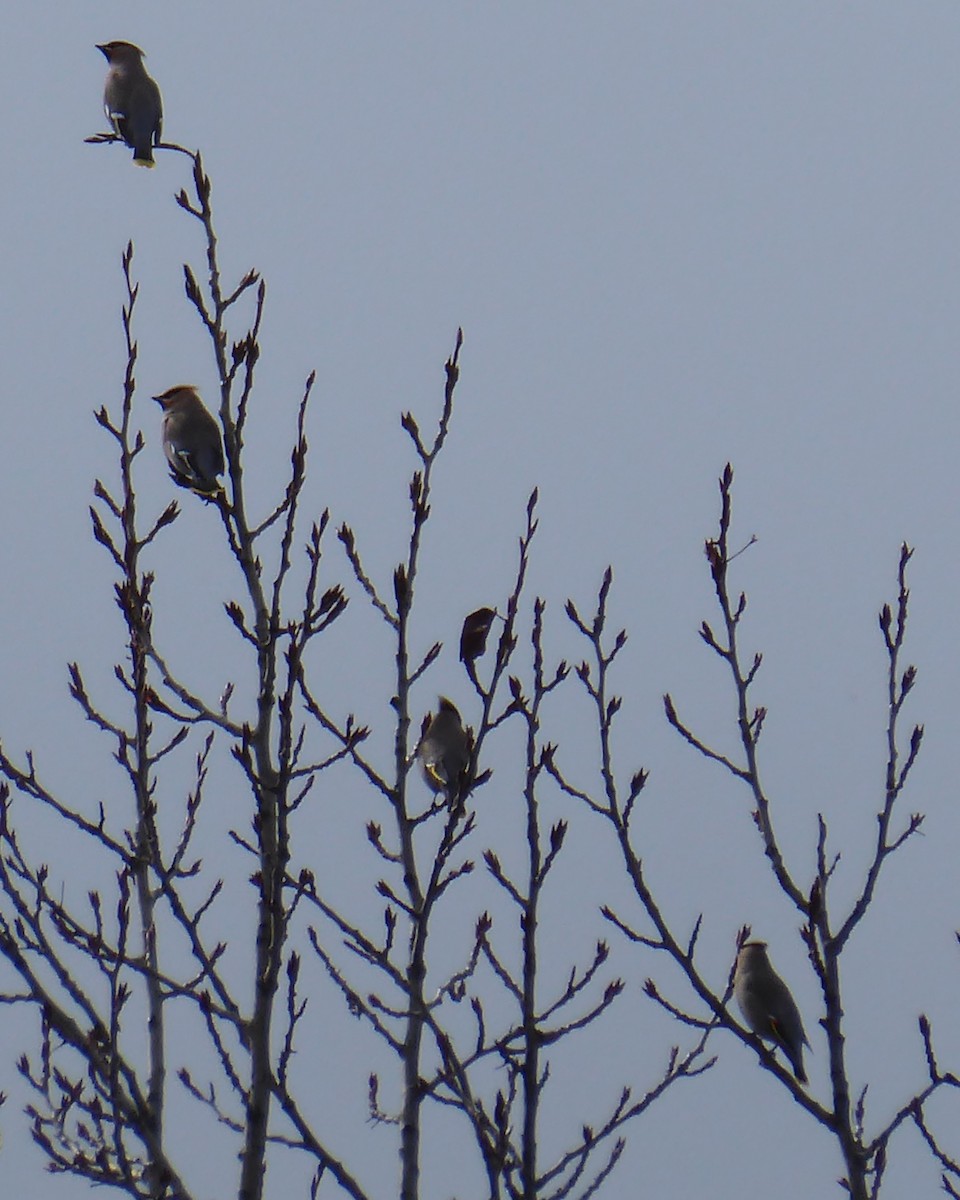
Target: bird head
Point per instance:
(120, 52)
(753, 950)
(175, 397)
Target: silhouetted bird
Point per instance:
(444, 750)
(191, 441)
(474, 634)
(132, 100)
(767, 1005)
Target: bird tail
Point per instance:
(144, 158)
(795, 1055)
(794, 1052)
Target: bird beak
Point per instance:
(104, 51)
(159, 399)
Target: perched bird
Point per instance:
(444, 750)
(132, 100)
(474, 634)
(767, 1006)
(191, 441)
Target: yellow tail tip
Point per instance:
(144, 162)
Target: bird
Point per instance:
(474, 634)
(444, 750)
(191, 440)
(132, 100)
(767, 1006)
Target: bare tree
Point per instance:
(825, 934)
(108, 974)
(103, 1075)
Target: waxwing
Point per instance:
(444, 750)
(191, 441)
(767, 1006)
(132, 100)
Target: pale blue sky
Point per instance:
(675, 234)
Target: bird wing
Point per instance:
(434, 769)
(207, 463)
(118, 122)
(777, 1033)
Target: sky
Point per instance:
(675, 235)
